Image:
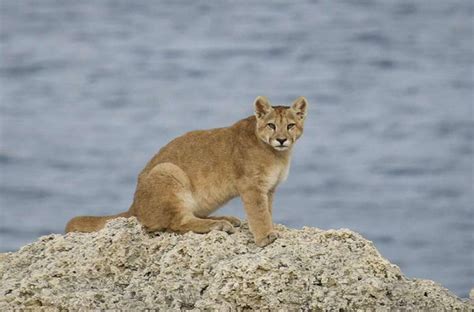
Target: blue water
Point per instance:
(90, 90)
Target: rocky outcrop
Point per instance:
(123, 267)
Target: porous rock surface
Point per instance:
(123, 267)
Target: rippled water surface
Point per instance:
(91, 90)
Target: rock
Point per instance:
(123, 267)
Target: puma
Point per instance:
(195, 174)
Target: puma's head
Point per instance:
(280, 126)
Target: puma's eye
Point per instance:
(271, 125)
(290, 126)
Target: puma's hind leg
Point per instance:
(233, 220)
(199, 225)
(164, 201)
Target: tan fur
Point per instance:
(195, 174)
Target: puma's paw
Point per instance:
(235, 221)
(270, 238)
(223, 225)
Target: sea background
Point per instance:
(90, 90)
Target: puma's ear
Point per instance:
(262, 106)
(300, 107)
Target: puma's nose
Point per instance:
(281, 141)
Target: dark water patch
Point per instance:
(344, 61)
(412, 90)
(293, 39)
(436, 261)
(204, 8)
(367, 207)
(8, 159)
(305, 57)
(4, 37)
(218, 54)
(411, 168)
(334, 204)
(173, 54)
(394, 130)
(373, 38)
(441, 192)
(326, 98)
(133, 7)
(98, 75)
(277, 52)
(464, 9)
(299, 190)
(384, 64)
(455, 128)
(65, 165)
(355, 126)
(116, 102)
(308, 167)
(461, 84)
(336, 185)
(416, 243)
(24, 192)
(361, 3)
(129, 180)
(383, 239)
(196, 73)
(142, 52)
(465, 149)
(350, 150)
(201, 112)
(405, 9)
(463, 226)
(402, 171)
(19, 70)
(244, 52)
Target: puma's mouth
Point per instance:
(281, 147)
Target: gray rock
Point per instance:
(123, 267)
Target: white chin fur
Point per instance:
(281, 148)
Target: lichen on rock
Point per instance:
(123, 267)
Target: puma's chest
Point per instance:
(277, 174)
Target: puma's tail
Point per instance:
(91, 224)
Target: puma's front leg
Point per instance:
(270, 201)
(259, 216)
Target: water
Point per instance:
(91, 90)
